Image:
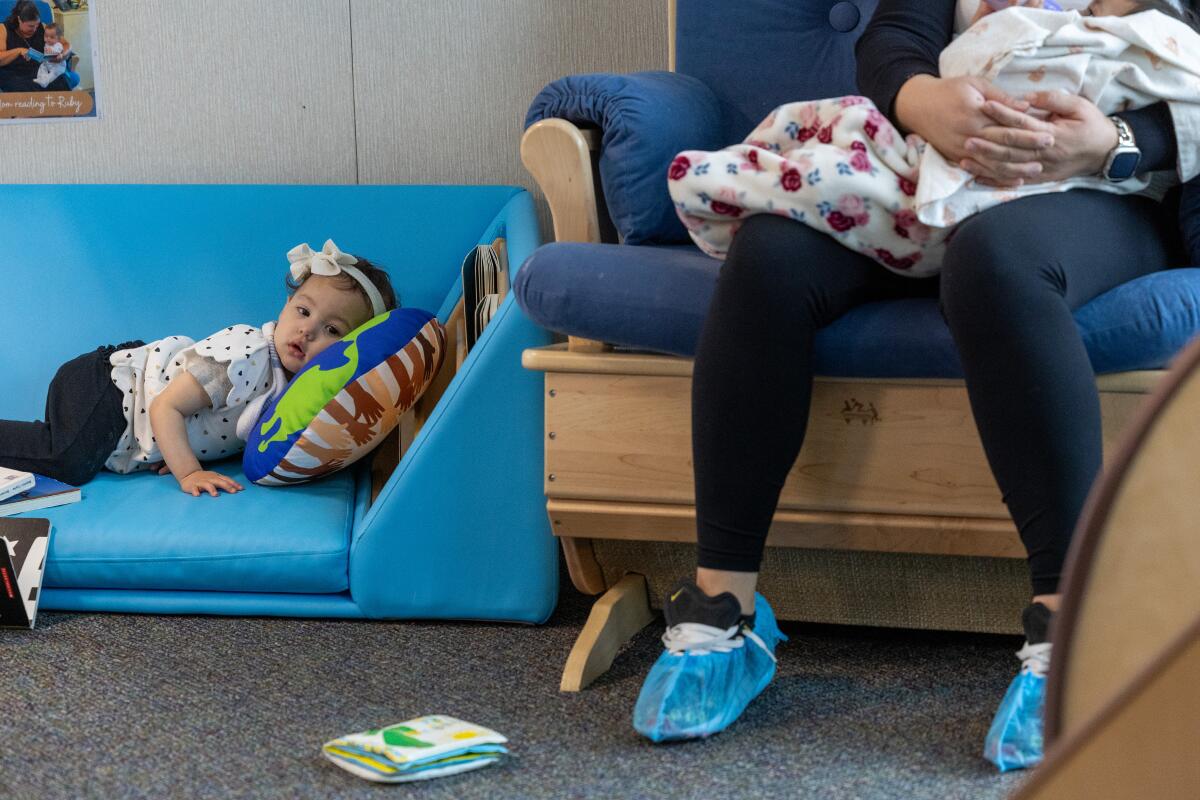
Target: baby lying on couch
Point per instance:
(173, 403)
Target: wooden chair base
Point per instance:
(615, 619)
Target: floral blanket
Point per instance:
(841, 167)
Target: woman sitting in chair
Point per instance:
(23, 31)
(1010, 279)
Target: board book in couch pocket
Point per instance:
(485, 283)
(23, 546)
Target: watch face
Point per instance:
(1123, 166)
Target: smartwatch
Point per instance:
(1122, 162)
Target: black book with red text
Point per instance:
(24, 543)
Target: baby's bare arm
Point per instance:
(185, 396)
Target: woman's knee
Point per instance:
(761, 248)
(986, 269)
(780, 261)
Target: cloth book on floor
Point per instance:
(421, 748)
(45, 493)
(23, 547)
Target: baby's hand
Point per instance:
(205, 481)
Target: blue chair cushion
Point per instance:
(645, 119)
(655, 298)
(141, 532)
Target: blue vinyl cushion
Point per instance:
(655, 298)
(141, 532)
(645, 118)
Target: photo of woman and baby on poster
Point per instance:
(47, 60)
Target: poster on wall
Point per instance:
(48, 69)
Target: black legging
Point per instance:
(1011, 277)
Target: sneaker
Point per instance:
(1015, 739)
(716, 661)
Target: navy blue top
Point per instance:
(19, 67)
(905, 37)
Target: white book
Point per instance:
(13, 481)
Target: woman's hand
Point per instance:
(206, 481)
(947, 112)
(1083, 136)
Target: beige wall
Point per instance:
(327, 91)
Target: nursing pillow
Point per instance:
(346, 400)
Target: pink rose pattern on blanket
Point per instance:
(837, 165)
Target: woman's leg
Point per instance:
(752, 382)
(1011, 278)
(20, 84)
(751, 388)
(84, 421)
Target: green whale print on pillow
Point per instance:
(307, 391)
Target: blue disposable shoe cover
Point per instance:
(1015, 739)
(690, 696)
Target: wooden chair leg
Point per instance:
(615, 619)
(585, 571)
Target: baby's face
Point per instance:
(1111, 8)
(317, 315)
(51, 36)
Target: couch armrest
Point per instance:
(463, 515)
(644, 119)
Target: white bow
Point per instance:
(327, 262)
(332, 261)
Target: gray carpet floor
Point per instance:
(126, 706)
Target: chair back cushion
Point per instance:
(756, 54)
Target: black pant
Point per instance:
(1011, 278)
(84, 421)
(16, 83)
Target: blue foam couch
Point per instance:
(458, 530)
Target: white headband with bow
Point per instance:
(332, 261)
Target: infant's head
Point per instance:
(52, 33)
(321, 309)
(1121, 8)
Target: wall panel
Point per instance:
(327, 91)
(441, 89)
(205, 92)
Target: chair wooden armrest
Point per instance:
(562, 159)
